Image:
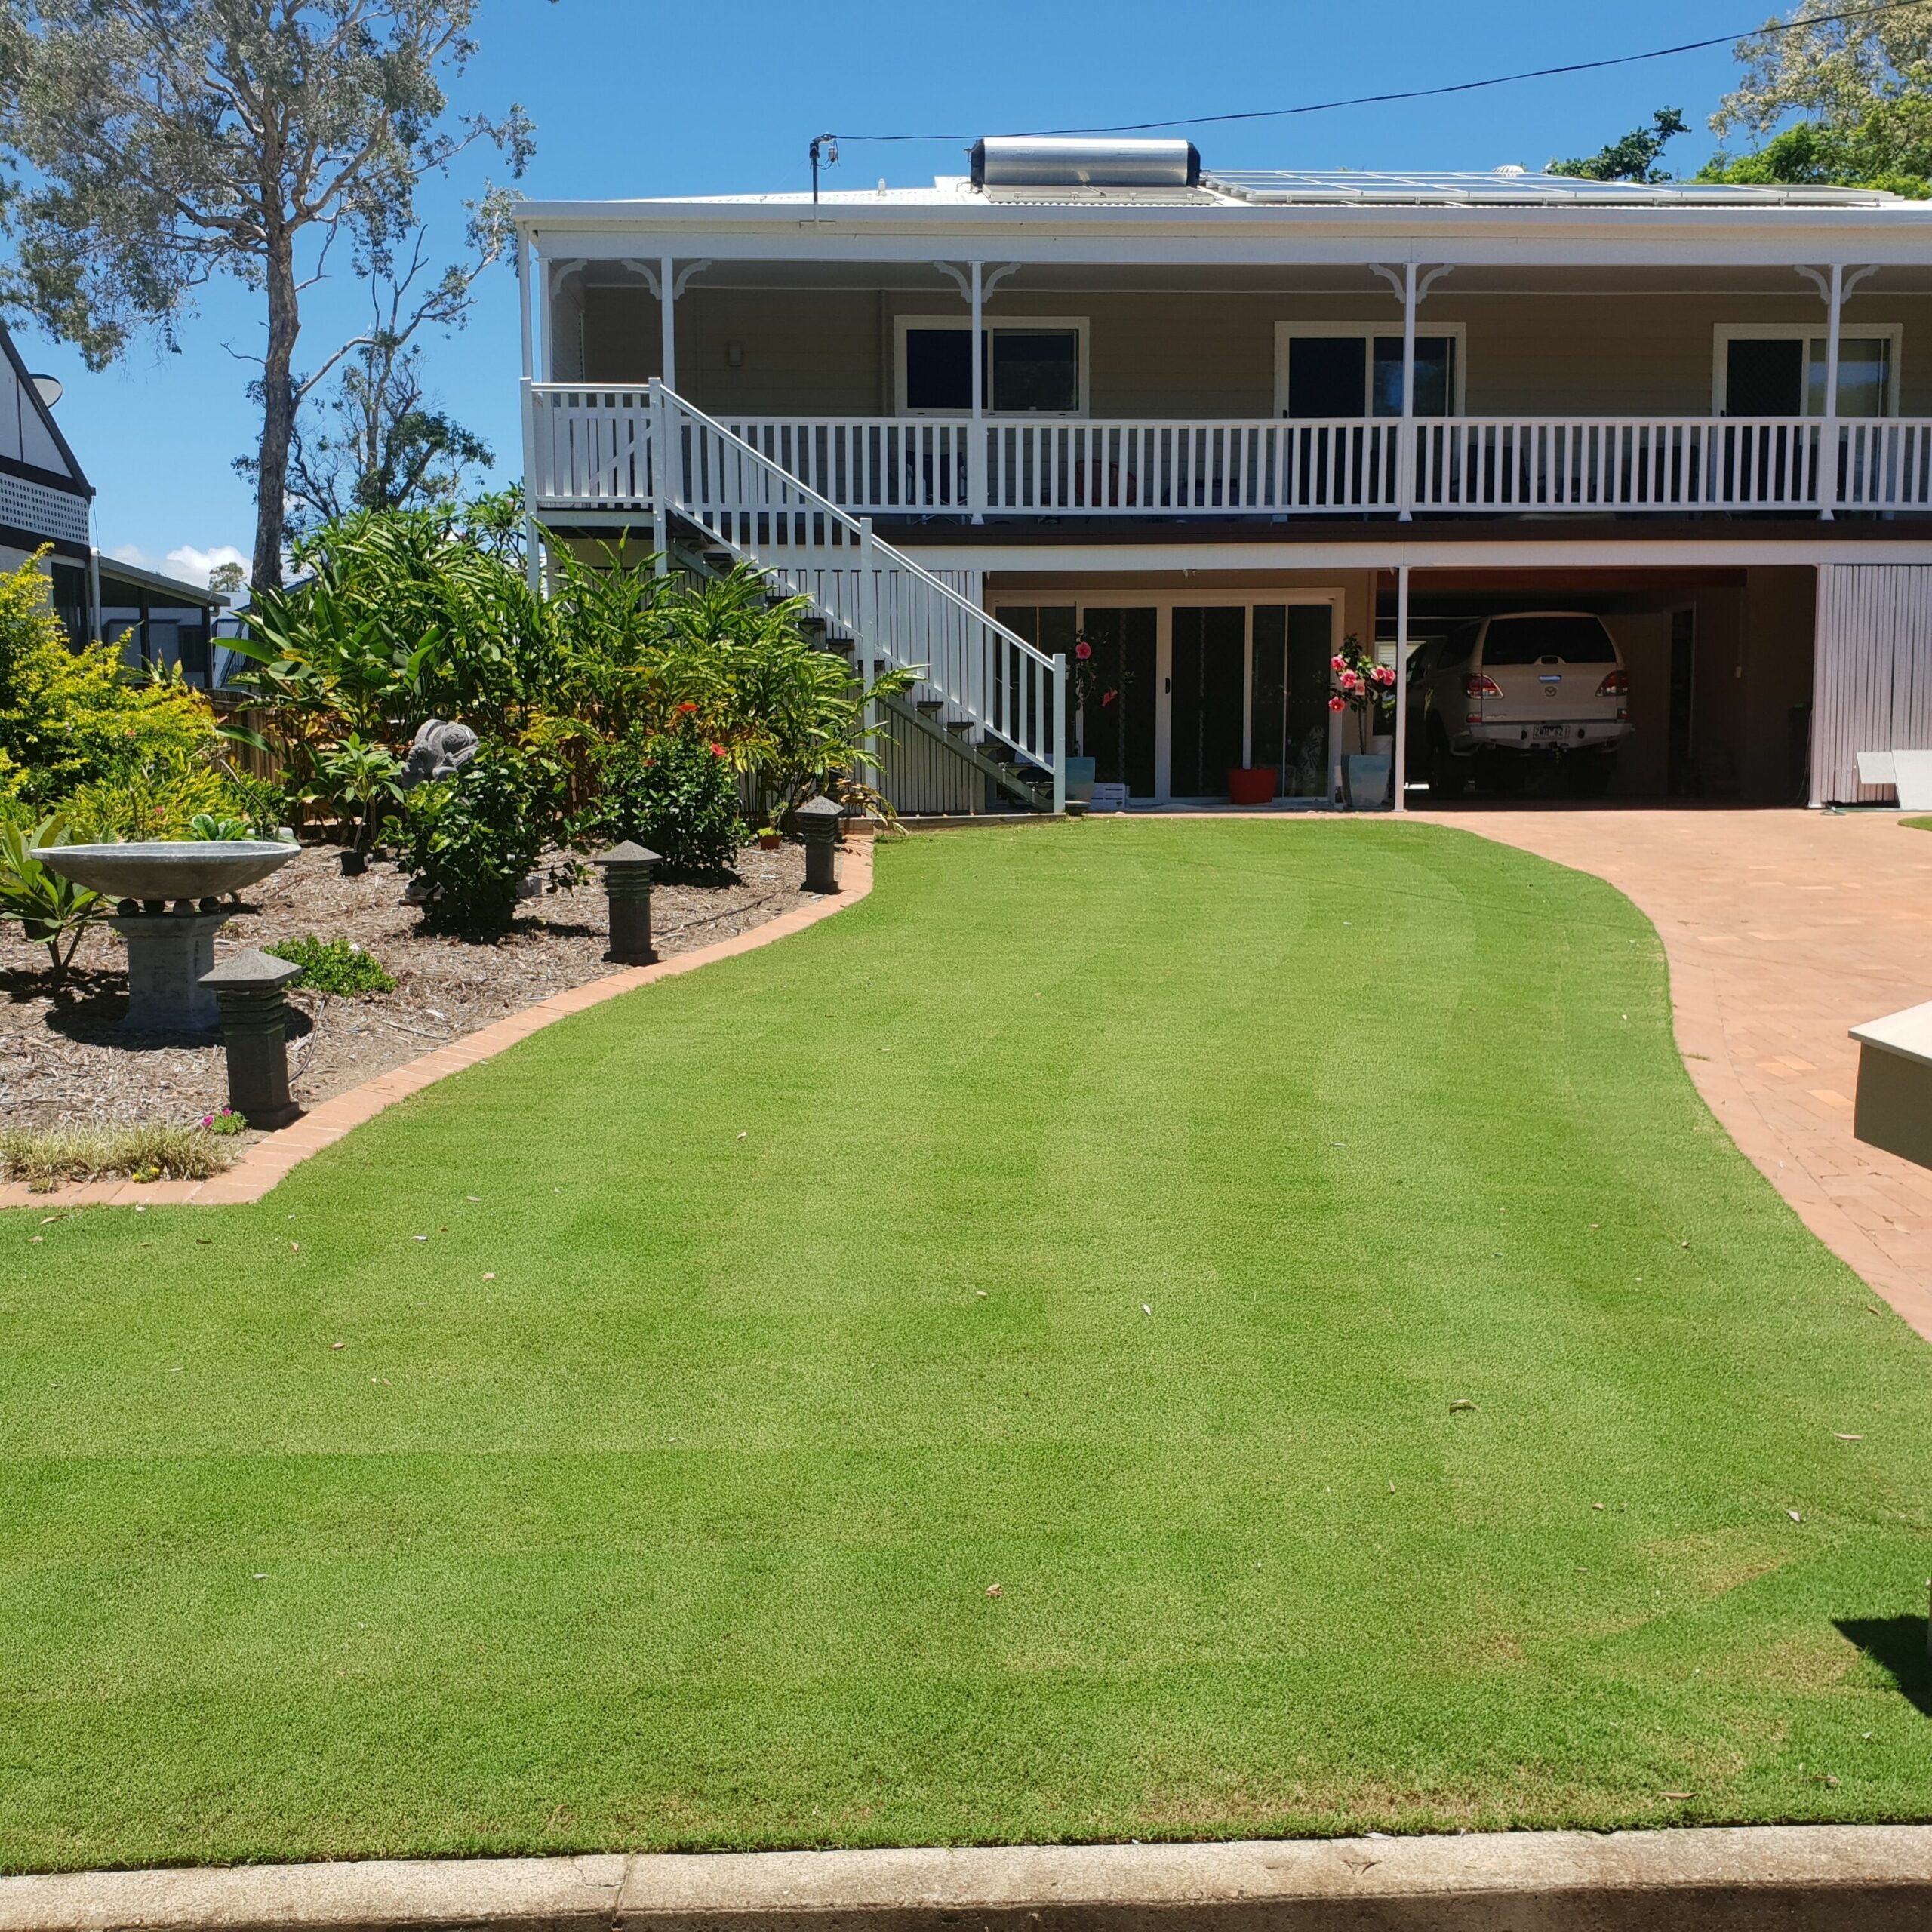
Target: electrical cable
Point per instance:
(1430, 93)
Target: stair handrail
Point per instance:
(859, 526)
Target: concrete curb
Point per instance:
(1876, 1877)
(271, 1158)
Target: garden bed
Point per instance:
(65, 1061)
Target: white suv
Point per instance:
(1500, 699)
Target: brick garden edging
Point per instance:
(270, 1159)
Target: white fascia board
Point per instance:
(1895, 234)
(1358, 554)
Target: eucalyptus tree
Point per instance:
(161, 143)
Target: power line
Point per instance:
(1430, 93)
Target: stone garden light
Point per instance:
(818, 822)
(627, 875)
(254, 1030)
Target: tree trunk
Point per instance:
(277, 409)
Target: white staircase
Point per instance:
(979, 685)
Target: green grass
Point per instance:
(1921, 824)
(653, 1500)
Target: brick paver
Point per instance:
(1783, 929)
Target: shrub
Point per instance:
(161, 798)
(469, 841)
(51, 909)
(674, 791)
(70, 717)
(333, 966)
(151, 1151)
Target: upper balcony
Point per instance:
(1166, 391)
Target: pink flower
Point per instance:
(687, 707)
(1108, 697)
(717, 751)
(1350, 681)
(1083, 650)
(1338, 663)
(1337, 704)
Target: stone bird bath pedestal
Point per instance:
(170, 892)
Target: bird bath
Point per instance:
(170, 909)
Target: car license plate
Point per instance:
(1549, 731)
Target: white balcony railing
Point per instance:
(589, 449)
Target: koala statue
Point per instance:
(440, 750)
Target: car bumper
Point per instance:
(1577, 734)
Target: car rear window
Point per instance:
(1529, 640)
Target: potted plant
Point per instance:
(1362, 688)
(1084, 682)
(769, 838)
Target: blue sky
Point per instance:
(743, 90)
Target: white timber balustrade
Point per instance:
(899, 615)
(590, 449)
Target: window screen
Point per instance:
(1529, 640)
(1764, 376)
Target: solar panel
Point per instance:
(1504, 187)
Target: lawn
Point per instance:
(1126, 1214)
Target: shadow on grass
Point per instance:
(1897, 1644)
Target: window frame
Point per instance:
(1075, 325)
(1723, 334)
(1285, 333)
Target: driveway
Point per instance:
(1783, 929)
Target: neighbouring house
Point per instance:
(1207, 424)
(46, 502)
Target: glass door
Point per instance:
(1208, 715)
(1288, 717)
(1113, 722)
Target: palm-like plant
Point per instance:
(52, 909)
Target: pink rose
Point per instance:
(1083, 650)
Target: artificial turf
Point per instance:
(1117, 1213)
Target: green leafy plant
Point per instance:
(214, 826)
(159, 798)
(674, 791)
(224, 1122)
(360, 779)
(44, 1158)
(468, 842)
(333, 966)
(70, 718)
(53, 910)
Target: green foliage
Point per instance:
(359, 779)
(70, 719)
(52, 910)
(213, 826)
(160, 798)
(1886, 151)
(674, 792)
(224, 1122)
(469, 841)
(44, 1158)
(336, 966)
(1632, 158)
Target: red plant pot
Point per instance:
(1251, 784)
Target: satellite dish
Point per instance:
(49, 389)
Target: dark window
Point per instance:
(1530, 640)
(1035, 369)
(1116, 727)
(939, 369)
(1764, 376)
(1327, 376)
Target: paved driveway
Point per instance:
(1782, 928)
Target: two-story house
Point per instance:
(1208, 424)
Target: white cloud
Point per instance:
(185, 561)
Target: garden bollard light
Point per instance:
(254, 1031)
(818, 822)
(627, 871)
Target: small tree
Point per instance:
(170, 141)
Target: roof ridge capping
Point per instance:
(1519, 187)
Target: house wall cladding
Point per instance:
(1874, 674)
(1588, 352)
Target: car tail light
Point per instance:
(1474, 684)
(1616, 684)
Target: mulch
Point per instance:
(65, 1061)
